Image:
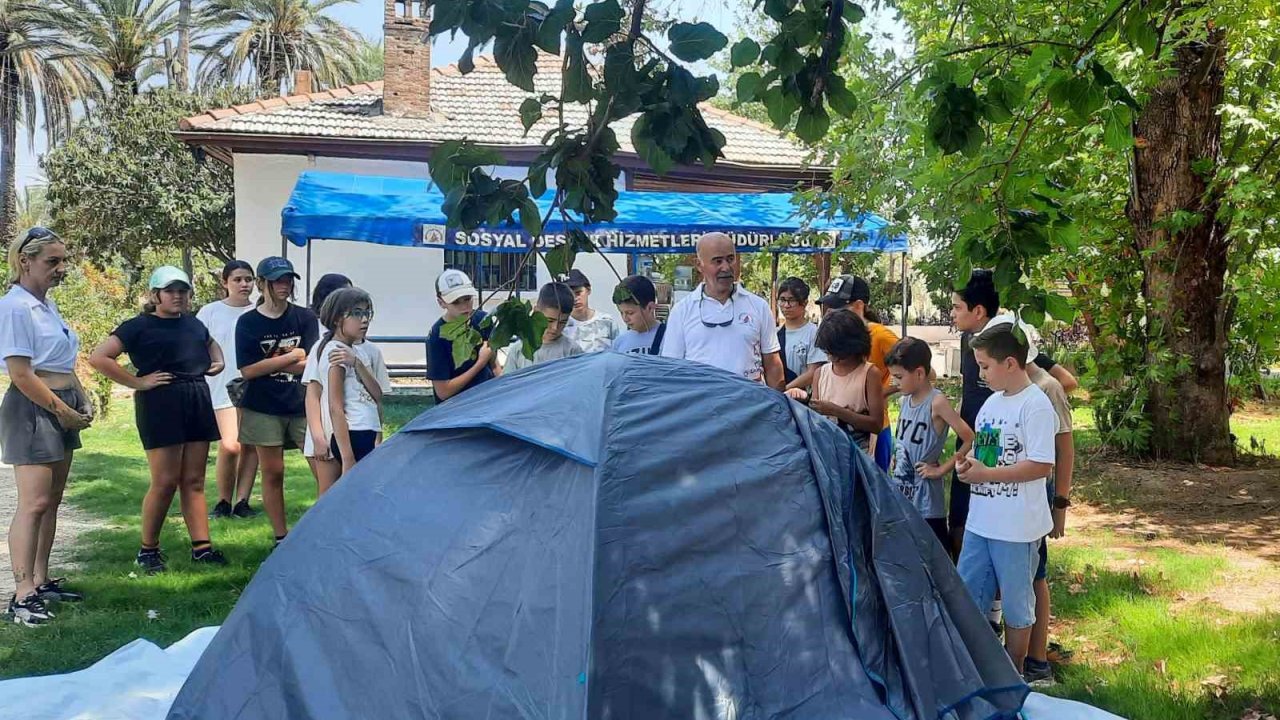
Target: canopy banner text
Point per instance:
(516, 240)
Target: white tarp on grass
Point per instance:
(140, 680)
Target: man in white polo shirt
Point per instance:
(722, 324)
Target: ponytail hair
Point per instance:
(233, 266)
(30, 244)
(336, 307)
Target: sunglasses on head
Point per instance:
(36, 233)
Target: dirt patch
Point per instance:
(71, 524)
(1237, 507)
(1246, 584)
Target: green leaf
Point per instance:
(1059, 307)
(953, 122)
(778, 9)
(745, 52)
(577, 80)
(515, 319)
(853, 13)
(465, 338)
(1003, 96)
(530, 217)
(781, 106)
(749, 84)
(841, 100)
(812, 124)
(530, 113)
(604, 19)
(559, 259)
(1079, 95)
(692, 42)
(648, 148)
(1068, 235)
(517, 58)
(1117, 127)
(552, 26)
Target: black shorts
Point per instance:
(939, 528)
(174, 414)
(362, 443)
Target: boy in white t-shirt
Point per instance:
(555, 302)
(1012, 455)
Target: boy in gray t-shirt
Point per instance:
(924, 419)
(555, 302)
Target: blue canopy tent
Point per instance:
(408, 212)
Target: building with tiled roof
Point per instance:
(391, 127)
(482, 106)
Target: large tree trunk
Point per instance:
(8, 153)
(1185, 256)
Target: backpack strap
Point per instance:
(656, 347)
(787, 373)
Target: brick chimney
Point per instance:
(406, 60)
(303, 82)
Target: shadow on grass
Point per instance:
(1139, 655)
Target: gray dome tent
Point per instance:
(608, 536)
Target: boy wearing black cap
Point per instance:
(637, 301)
(853, 294)
(590, 329)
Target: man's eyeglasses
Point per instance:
(36, 233)
(708, 323)
(361, 314)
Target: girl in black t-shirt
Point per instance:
(172, 352)
(272, 342)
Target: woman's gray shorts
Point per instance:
(31, 435)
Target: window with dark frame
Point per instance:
(491, 270)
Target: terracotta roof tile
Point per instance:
(480, 105)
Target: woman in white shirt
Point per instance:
(41, 416)
(235, 467)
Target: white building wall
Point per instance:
(400, 279)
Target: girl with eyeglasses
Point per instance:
(348, 387)
(173, 353)
(797, 337)
(41, 417)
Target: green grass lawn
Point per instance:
(1141, 649)
(108, 481)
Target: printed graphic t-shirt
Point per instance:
(595, 334)
(1010, 429)
(259, 337)
(918, 440)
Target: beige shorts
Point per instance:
(266, 430)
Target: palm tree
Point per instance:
(269, 39)
(41, 71)
(368, 61)
(125, 38)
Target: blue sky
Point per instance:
(366, 16)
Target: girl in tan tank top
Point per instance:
(847, 389)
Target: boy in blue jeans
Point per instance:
(1012, 455)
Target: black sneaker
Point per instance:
(221, 510)
(208, 556)
(242, 510)
(151, 560)
(1036, 673)
(53, 591)
(30, 612)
